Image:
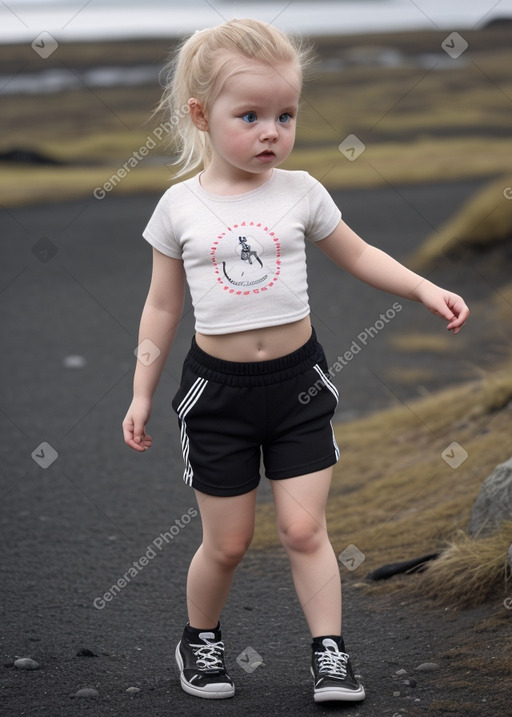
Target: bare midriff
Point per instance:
(257, 344)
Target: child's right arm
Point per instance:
(159, 323)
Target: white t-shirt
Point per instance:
(244, 255)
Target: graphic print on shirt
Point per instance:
(246, 258)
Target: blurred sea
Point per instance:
(70, 20)
(46, 23)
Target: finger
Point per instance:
(140, 447)
(146, 442)
(138, 431)
(138, 442)
(460, 318)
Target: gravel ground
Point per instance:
(73, 280)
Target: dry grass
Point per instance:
(484, 221)
(20, 186)
(470, 570)
(401, 162)
(393, 495)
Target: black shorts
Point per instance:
(232, 413)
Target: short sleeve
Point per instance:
(159, 231)
(324, 214)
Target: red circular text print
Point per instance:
(246, 258)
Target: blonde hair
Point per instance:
(199, 69)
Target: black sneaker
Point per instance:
(334, 679)
(201, 663)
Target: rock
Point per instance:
(427, 667)
(494, 502)
(410, 682)
(26, 663)
(85, 652)
(20, 155)
(401, 672)
(133, 690)
(87, 692)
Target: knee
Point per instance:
(302, 536)
(232, 549)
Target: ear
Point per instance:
(197, 114)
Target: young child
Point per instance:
(235, 232)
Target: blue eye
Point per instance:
(249, 117)
(285, 118)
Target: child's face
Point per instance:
(251, 122)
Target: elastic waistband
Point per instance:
(254, 373)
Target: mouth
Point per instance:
(267, 155)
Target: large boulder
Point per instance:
(494, 502)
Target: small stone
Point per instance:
(401, 672)
(410, 682)
(85, 652)
(87, 692)
(396, 693)
(74, 361)
(427, 667)
(133, 690)
(26, 663)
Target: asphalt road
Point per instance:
(78, 508)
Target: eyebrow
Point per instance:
(249, 105)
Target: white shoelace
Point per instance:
(209, 657)
(332, 662)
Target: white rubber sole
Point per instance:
(339, 696)
(331, 694)
(220, 692)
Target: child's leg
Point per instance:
(300, 510)
(228, 527)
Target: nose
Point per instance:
(269, 132)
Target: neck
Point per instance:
(231, 183)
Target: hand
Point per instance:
(446, 304)
(134, 425)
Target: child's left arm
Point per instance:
(380, 270)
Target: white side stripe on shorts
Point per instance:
(191, 398)
(332, 388)
(328, 384)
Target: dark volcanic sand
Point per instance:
(71, 530)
